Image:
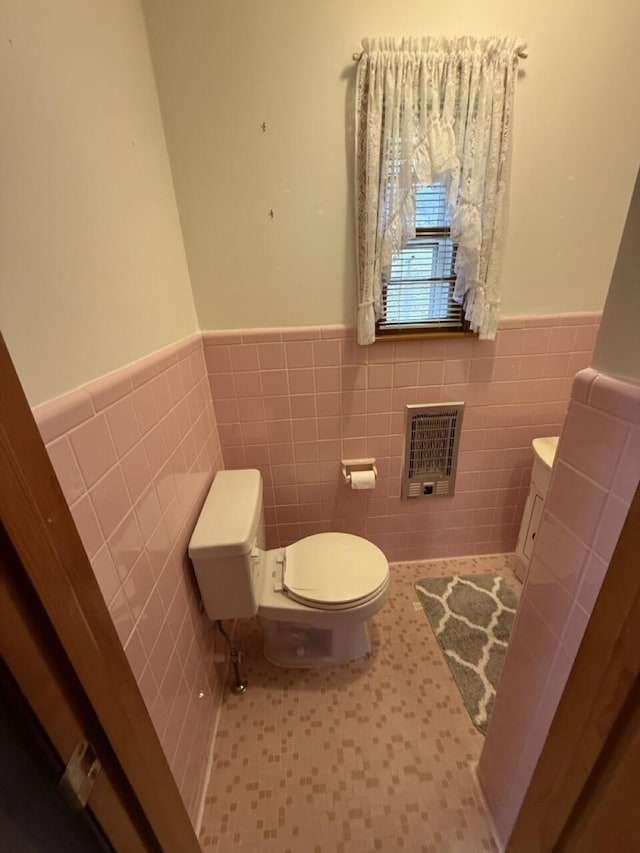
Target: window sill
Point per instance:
(422, 336)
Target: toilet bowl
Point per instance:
(312, 598)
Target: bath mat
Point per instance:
(471, 616)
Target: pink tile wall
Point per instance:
(594, 479)
(294, 402)
(135, 453)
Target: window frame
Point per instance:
(413, 331)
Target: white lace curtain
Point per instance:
(427, 110)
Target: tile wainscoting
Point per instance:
(595, 476)
(135, 452)
(294, 402)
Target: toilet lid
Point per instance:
(334, 570)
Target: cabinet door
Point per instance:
(534, 524)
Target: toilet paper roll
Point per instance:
(363, 480)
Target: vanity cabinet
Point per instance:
(544, 450)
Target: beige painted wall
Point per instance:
(224, 68)
(618, 346)
(92, 266)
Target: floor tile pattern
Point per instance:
(371, 755)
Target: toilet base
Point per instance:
(299, 646)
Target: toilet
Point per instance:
(312, 599)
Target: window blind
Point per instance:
(419, 292)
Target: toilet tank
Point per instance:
(222, 543)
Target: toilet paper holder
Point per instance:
(351, 465)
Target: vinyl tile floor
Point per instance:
(372, 755)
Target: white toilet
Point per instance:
(312, 598)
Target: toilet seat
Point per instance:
(334, 571)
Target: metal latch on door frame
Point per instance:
(80, 774)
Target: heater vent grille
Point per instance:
(431, 449)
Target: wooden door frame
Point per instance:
(33, 655)
(588, 728)
(43, 554)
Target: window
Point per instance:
(419, 293)
(434, 118)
